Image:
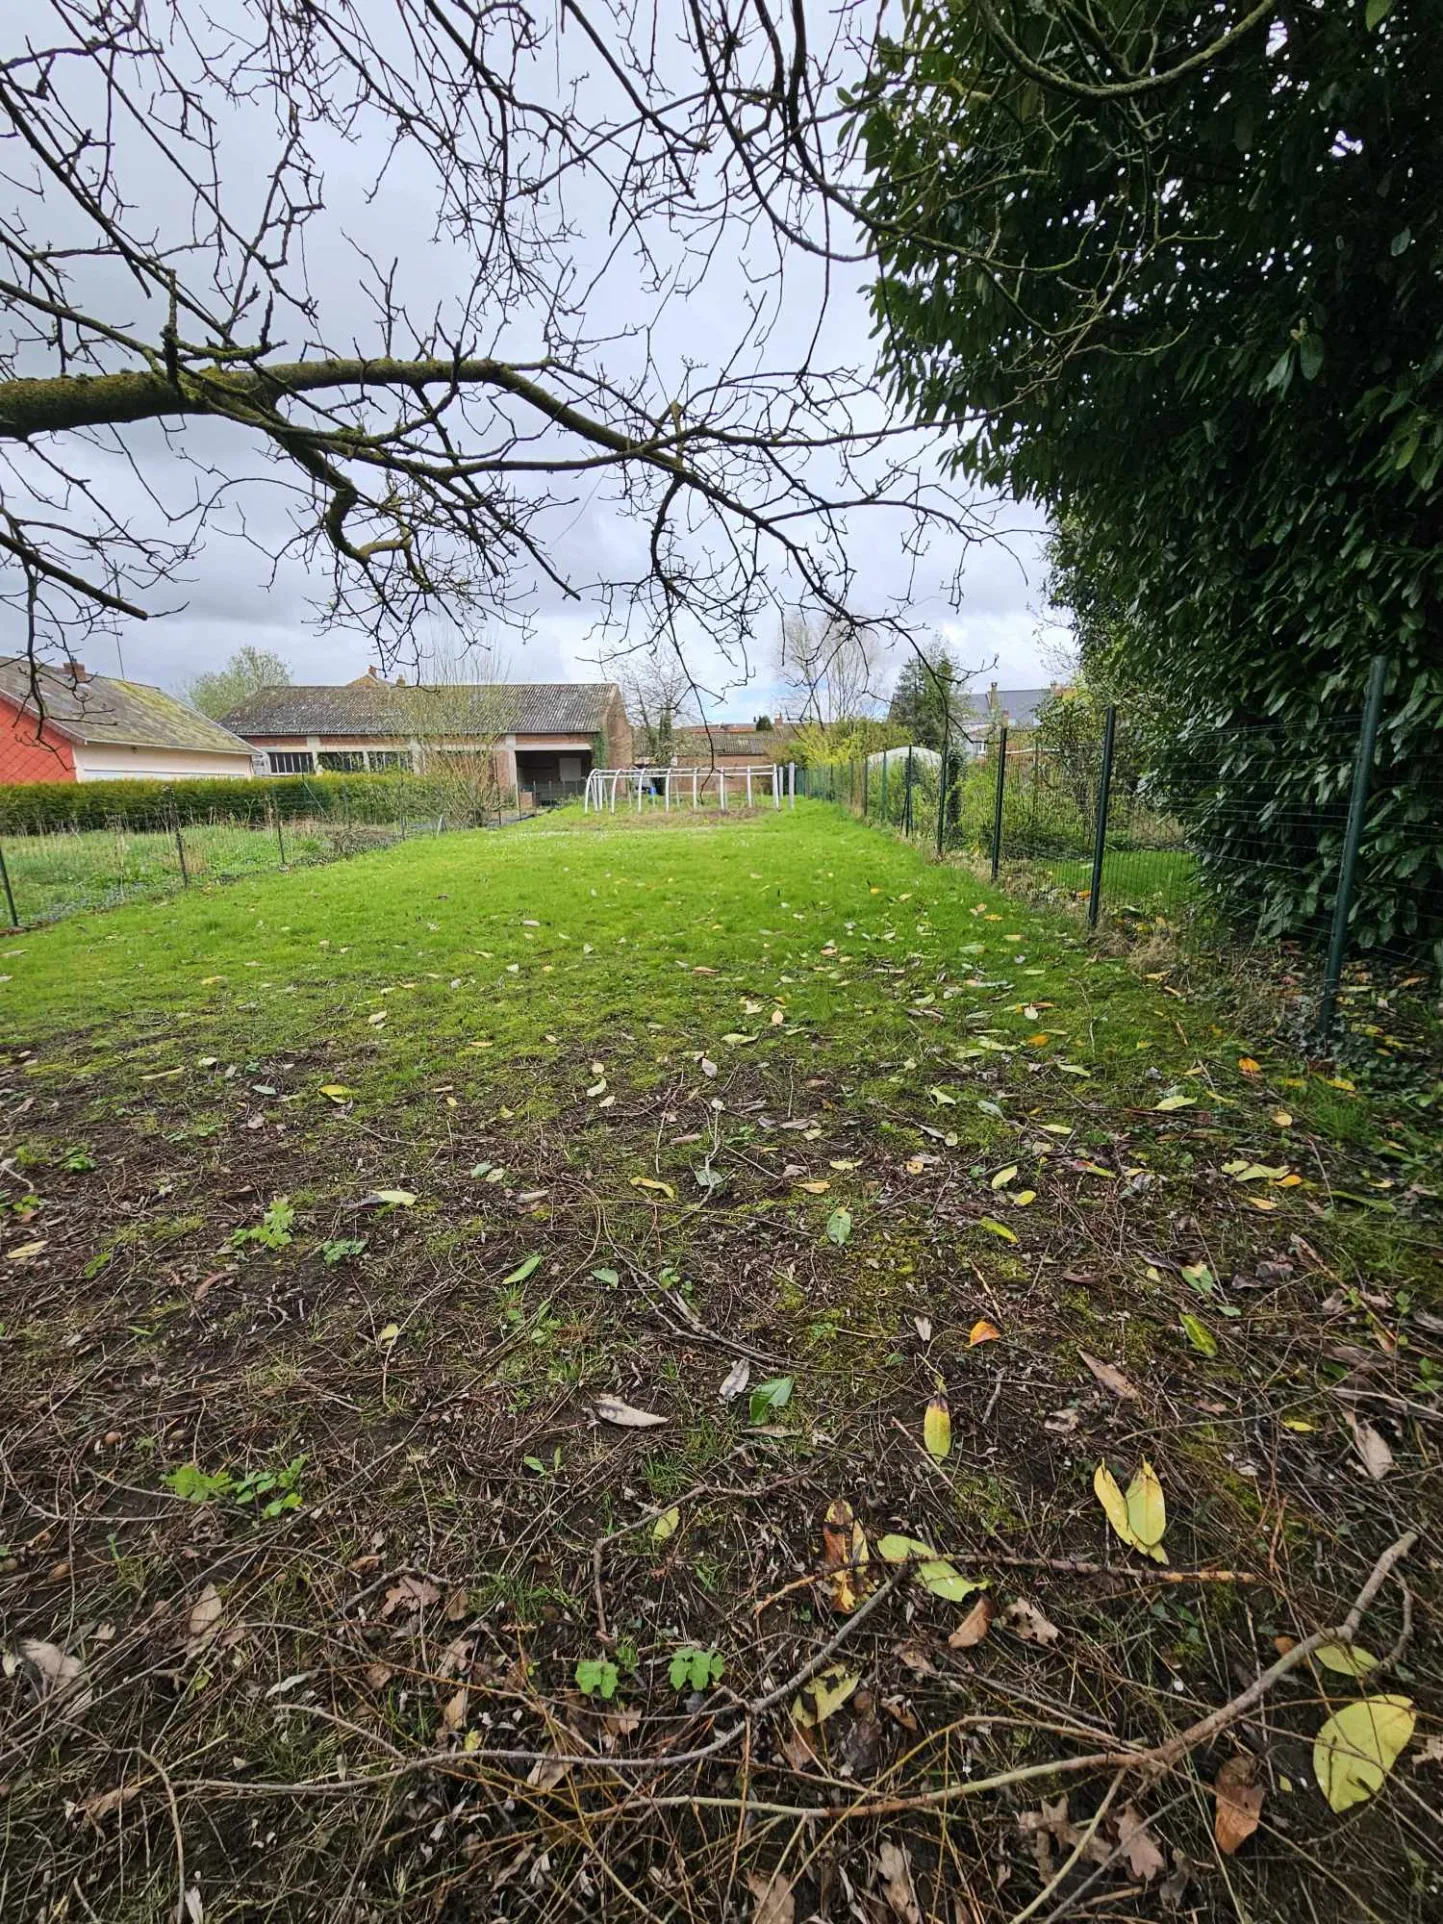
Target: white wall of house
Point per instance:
(118, 762)
(505, 748)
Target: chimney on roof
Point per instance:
(371, 671)
(78, 671)
(400, 681)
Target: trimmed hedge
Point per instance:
(31, 806)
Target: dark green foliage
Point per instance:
(929, 703)
(358, 798)
(1203, 324)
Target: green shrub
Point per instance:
(31, 806)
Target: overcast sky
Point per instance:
(233, 592)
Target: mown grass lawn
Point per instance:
(314, 1487)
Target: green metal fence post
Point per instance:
(907, 798)
(999, 791)
(866, 779)
(1104, 796)
(941, 801)
(884, 786)
(280, 837)
(9, 892)
(1352, 841)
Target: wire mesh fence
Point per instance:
(51, 869)
(1317, 849)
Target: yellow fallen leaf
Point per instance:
(1358, 1746)
(389, 1334)
(337, 1091)
(666, 1525)
(1023, 1198)
(983, 1332)
(1004, 1176)
(1146, 1507)
(823, 1694)
(652, 1182)
(815, 1188)
(1248, 1066)
(937, 1428)
(995, 1228)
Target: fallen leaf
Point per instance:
(1109, 1495)
(1144, 1858)
(815, 1188)
(975, 1625)
(934, 1573)
(1358, 1746)
(104, 1802)
(1248, 1066)
(774, 1901)
(995, 1228)
(453, 1712)
(735, 1380)
(839, 1226)
(1026, 1621)
(611, 1409)
(653, 1182)
(666, 1525)
(1147, 1509)
(410, 1593)
(203, 1621)
(53, 1674)
(24, 1252)
(387, 1199)
(983, 1332)
(923, 1327)
(389, 1335)
(1240, 1803)
(774, 1394)
(1110, 1378)
(1348, 1660)
(523, 1269)
(547, 1772)
(337, 1091)
(894, 1867)
(823, 1694)
(1199, 1335)
(937, 1428)
(1169, 1103)
(844, 1557)
(1371, 1447)
(1004, 1176)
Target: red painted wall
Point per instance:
(23, 758)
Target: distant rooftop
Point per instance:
(371, 706)
(100, 709)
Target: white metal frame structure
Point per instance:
(608, 788)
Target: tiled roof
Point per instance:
(374, 707)
(762, 745)
(1017, 706)
(104, 709)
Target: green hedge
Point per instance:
(30, 806)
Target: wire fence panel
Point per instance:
(1239, 832)
(49, 870)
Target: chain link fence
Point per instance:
(1229, 834)
(50, 869)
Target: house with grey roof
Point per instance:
(544, 737)
(67, 725)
